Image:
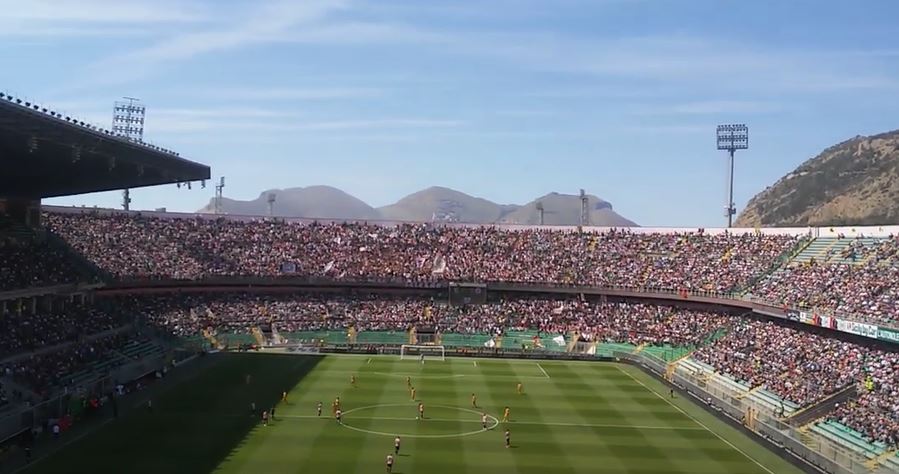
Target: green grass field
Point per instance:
(574, 417)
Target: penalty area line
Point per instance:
(681, 410)
(542, 370)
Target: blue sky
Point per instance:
(506, 99)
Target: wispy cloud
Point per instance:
(265, 23)
(256, 93)
(101, 11)
(678, 60)
(225, 121)
(709, 107)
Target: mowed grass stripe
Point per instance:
(701, 452)
(587, 418)
(485, 452)
(268, 443)
(444, 392)
(746, 456)
(280, 446)
(373, 391)
(537, 447)
(638, 446)
(328, 448)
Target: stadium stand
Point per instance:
(798, 366)
(25, 263)
(845, 276)
(59, 340)
(137, 246)
(635, 324)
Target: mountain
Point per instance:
(431, 204)
(311, 201)
(565, 209)
(443, 204)
(852, 183)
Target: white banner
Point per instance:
(857, 328)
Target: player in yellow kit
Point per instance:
(412, 391)
(474, 401)
(519, 388)
(506, 415)
(353, 380)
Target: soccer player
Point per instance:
(484, 420)
(338, 414)
(264, 418)
(421, 358)
(396, 445)
(335, 405)
(284, 396)
(389, 463)
(272, 411)
(412, 389)
(519, 388)
(508, 439)
(408, 382)
(506, 415)
(421, 411)
(252, 408)
(353, 380)
(671, 392)
(474, 401)
(319, 407)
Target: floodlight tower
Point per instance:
(271, 204)
(732, 137)
(218, 195)
(128, 122)
(585, 209)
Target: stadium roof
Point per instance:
(46, 154)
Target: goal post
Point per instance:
(414, 351)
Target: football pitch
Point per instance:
(573, 417)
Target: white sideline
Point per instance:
(769, 471)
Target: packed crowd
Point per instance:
(875, 413)
(22, 332)
(44, 372)
(25, 263)
(187, 315)
(867, 288)
(191, 248)
(798, 366)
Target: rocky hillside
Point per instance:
(565, 209)
(852, 183)
(311, 201)
(431, 204)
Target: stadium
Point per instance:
(153, 341)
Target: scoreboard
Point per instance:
(461, 294)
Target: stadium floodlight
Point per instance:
(732, 137)
(124, 117)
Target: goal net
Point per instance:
(409, 351)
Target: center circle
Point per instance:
(492, 421)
